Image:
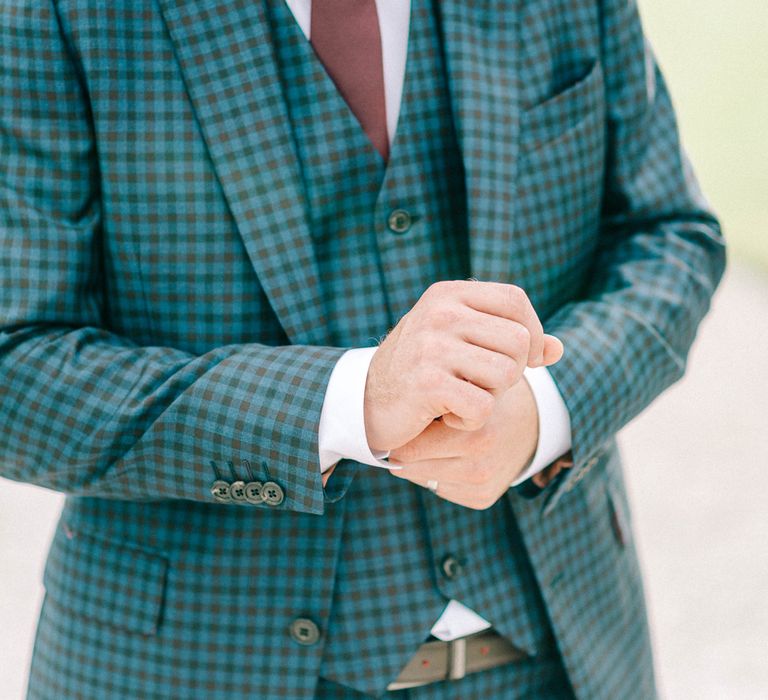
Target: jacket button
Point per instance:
(220, 491)
(399, 221)
(253, 493)
(237, 491)
(451, 567)
(304, 631)
(272, 494)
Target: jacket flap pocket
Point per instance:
(561, 112)
(115, 583)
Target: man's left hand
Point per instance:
(474, 469)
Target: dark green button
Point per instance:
(400, 221)
(304, 631)
(451, 567)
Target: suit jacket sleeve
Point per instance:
(83, 410)
(660, 255)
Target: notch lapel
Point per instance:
(482, 54)
(227, 59)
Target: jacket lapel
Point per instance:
(226, 56)
(482, 51)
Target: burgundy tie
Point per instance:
(345, 35)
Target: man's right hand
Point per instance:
(462, 345)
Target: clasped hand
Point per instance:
(445, 392)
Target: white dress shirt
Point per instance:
(342, 426)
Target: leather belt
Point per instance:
(439, 661)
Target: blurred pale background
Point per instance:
(694, 460)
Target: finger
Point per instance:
(510, 302)
(442, 470)
(470, 404)
(443, 487)
(499, 335)
(487, 368)
(502, 335)
(459, 494)
(436, 441)
(454, 422)
(491, 332)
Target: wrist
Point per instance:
(526, 426)
(371, 408)
(375, 443)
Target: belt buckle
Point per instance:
(457, 659)
(456, 667)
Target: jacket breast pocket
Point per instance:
(560, 182)
(560, 113)
(111, 582)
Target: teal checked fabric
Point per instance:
(174, 294)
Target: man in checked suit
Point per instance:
(274, 279)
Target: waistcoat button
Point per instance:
(304, 631)
(399, 221)
(451, 567)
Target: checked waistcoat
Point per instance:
(350, 195)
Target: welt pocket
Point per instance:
(115, 583)
(558, 114)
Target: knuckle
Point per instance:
(432, 291)
(516, 297)
(454, 286)
(521, 337)
(475, 409)
(441, 289)
(508, 370)
(445, 315)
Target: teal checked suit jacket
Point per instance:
(161, 316)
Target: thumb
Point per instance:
(553, 350)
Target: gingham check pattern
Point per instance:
(162, 307)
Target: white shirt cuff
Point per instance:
(554, 422)
(342, 421)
